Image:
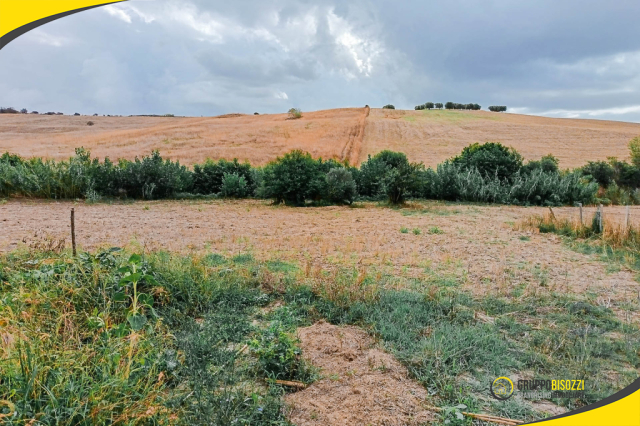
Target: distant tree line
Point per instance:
(448, 105)
(430, 105)
(498, 108)
(11, 110)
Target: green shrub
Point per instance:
(548, 163)
(372, 172)
(398, 182)
(455, 183)
(208, 177)
(624, 174)
(388, 106)
(293, 178)
(234, 186)
(599, 171)
(490, 159)
(295, 113)
(341, 187)
(152, 177)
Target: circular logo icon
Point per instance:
(502, 388)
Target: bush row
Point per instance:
(487, 173)
(448, 105)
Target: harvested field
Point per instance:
(255, 138)
(361, 384)
(433, 136)
(428, 136)
(475, 247)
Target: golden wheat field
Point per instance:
(254, 138)
(346, 133)
(435, 135)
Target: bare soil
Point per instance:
(361, 384)
(476, 247)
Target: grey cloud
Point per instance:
(194, 57)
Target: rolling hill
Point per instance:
(346, 133)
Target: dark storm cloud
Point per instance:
(194, 57)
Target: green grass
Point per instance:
(453, 117)
(213, 337)
(80, 359)
(280, 266)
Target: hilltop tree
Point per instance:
(429, 105)
(498, 108)
(439, 105)
(388, 106)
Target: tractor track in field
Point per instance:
(351, 150)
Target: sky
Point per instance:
(573, 59)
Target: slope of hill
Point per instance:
(433, 136)
(256, 138)
(428, 136)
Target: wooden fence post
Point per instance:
(73, 231)
(600, 212)
(626, 219)
(580, 205)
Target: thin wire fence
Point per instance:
(622, 216)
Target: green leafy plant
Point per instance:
(133, 275)
(279, 357)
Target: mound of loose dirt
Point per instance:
(362, 385)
